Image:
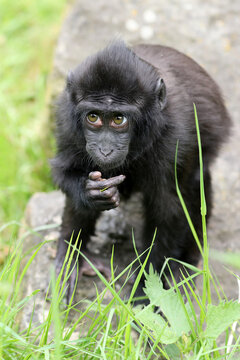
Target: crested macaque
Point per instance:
(119, 119)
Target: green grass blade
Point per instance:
(207, 275)
(184, 205)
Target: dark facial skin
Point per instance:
(107, 138)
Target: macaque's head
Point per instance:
(113, 93)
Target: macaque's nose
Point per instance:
(105, 152)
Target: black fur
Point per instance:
(155, 86)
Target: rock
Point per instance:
(207, 31)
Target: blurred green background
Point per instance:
(28, 33)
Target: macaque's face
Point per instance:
(107, 135)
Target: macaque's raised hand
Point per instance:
(103, 194)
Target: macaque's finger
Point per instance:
(111, 182)
(102, 195)
(105, 184)
(109, 199)
(95, 175)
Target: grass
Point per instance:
(28, 31)
(192, 328)
(115, 330)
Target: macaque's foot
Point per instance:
(86, 269)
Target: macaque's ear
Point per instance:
(70, 87)
(69, 81)
(162, 93)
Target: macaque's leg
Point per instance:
(77, 226)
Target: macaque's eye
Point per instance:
(94, 119)
(119, 121)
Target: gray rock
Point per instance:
(206, 30)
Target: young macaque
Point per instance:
(118, 123)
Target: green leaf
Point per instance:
(219, 317)
(173, 351)
(156, 324)
(174, 324)
(168, 301)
